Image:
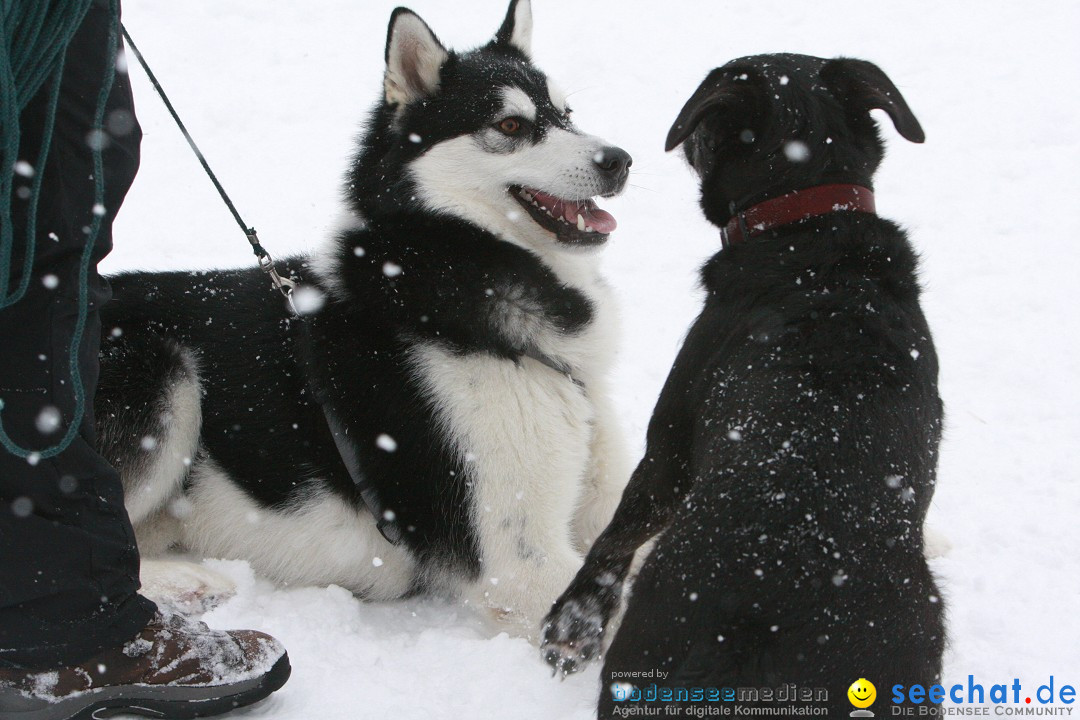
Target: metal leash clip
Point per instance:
(284, 285)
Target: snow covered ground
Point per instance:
(274, 92)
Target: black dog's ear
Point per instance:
(414, 58)
(720, 88)
(862, 86)
(516, 30)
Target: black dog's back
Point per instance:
(807, 389)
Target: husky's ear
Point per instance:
(862, 86)
(414, 57)
(516, 30)
(720, 90)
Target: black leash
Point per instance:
(284, 285)
(384, 520)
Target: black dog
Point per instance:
(792, 454)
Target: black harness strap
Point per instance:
(384, 521)
(559, 367)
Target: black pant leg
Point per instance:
(68, 562)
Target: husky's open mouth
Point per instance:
(575, 222)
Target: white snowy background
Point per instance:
(274, 92)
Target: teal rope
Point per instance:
(31, 212)
(35, 35)
(25, 65)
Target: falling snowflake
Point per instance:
(48, 420)
(796, 151)
(308, 300)
(22, 507)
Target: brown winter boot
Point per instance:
(174, 668)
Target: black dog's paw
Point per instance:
(573, 632)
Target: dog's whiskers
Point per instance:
(575, 92)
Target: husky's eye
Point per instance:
(511, 126)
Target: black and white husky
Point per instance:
(438, 419)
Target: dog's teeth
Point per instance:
(580, 223)
(589, 230)
(526, 195)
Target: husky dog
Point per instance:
(437, 421)
(792, 454)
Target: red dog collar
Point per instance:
(795, 207)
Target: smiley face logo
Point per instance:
(862, 693)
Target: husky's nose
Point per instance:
(614, 162)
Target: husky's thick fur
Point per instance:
(455, 340)
(792, 455)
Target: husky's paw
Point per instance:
(184, 587)
(573, 633)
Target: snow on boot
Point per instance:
(174, 668)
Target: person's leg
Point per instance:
(68, 561)
(75, 636)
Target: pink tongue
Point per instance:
(599, 220)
